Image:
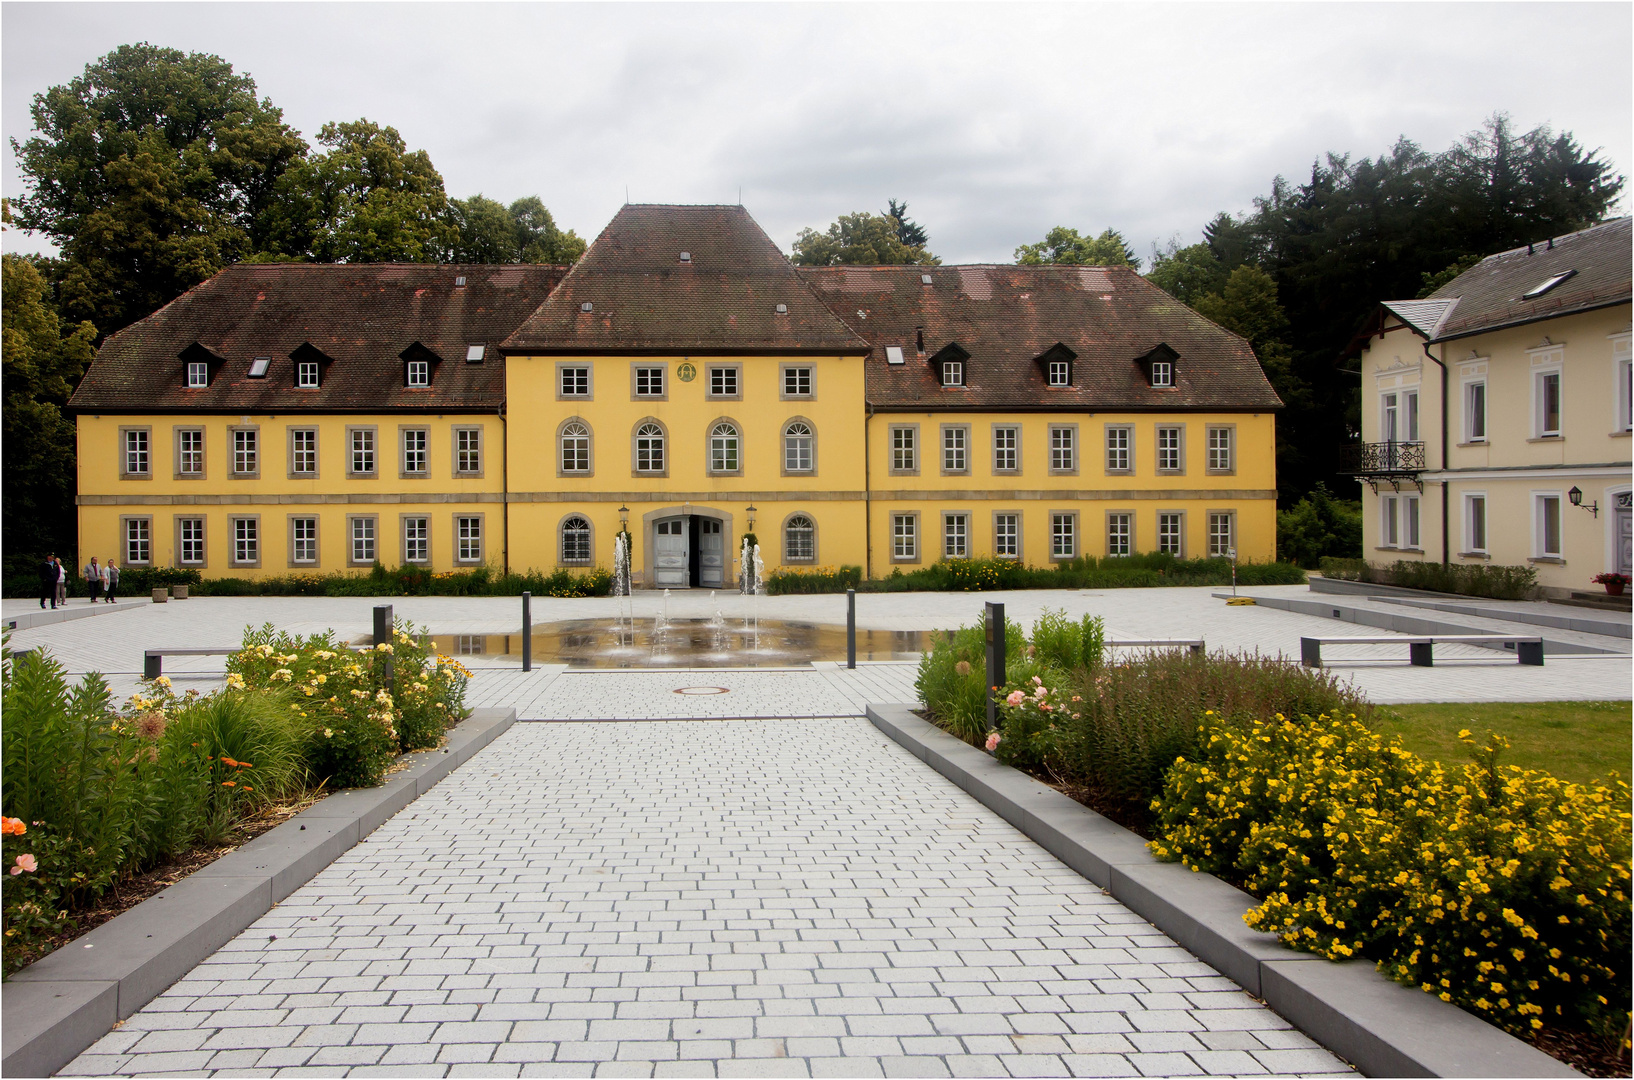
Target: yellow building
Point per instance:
(1497, 414)
(683, 380)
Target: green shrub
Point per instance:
(1502, 890)
(250, 745)
(1063, 644)
(1150, 570)
(1319, 526)
(1494, 582)
(138, 580)
(793, 580)
(952, 680)
(398, 581)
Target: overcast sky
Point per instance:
(993, 121)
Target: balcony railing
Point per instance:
(1392, 462)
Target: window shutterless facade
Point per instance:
(198, 374)
(905, 537)
(650, 457)
(417, 539)
(725, 448)
(953, 373)
(1546, 393)
(467, 451)
(1625, 393)
(245, 538)
(418, 373)
(1120, 534)
(138, 541)
(1546, 525)
(1060, 373)
(955, 449)
(1410, 521)
(190, 453)
(1006, 448)
(797, 381)
(246, 451)
(724, 381)
(799, 443)
(576, 545)
(1063, 536)
(306, 374)
(1119, 449)
(1007, 536)
(1063, 448)
(1475, 524)
(799, 539)
(303, 541)
(416, 452)
(1222, 533)
(360, 452)
(362, 536)
(650, 382)
(303, 453)
(1475, 411)
(1162, 373)
(190, 541)
(1390, 521)
(575, 448)
(135, 453)
(1171, 532)
(955, 536)
(1222, 456)
(468, 539)
(905, 449)
(1171, 449)
(572, 381)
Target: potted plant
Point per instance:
(1614, 583)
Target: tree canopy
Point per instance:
(488, 231)
(1064, 246)
(866, 239)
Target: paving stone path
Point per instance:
(701, 898)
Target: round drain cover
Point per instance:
(703, 690)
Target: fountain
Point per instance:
(746, 570)
(621, 587)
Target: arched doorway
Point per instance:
(687, 547)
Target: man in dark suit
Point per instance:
(48, 581)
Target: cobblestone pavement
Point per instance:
(740, 898)
(113, 643)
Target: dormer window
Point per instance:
(949, 364)
(1056, 364)
(953, 373)
(198, 374)
(1060, 373)
(1158, 366)
(419, 373)
(1162, 373)
(199, 366)
(418, 364)
(306, 374)
(311, 365)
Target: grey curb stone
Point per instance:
(1381, 1027)
(58, 1006)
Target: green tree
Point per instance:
(1186, 273)
(910, 232)
(483, 231)
(366, 198)
(860, 239)
(149, 172)
(538, 240)
(43, 361)
(1062, 245)
(1319, 525)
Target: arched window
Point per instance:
(575, 540)
(649, 449)
(799, 539)
(797, 447)
(575, 447)
(724, 445)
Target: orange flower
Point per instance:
(10, 826)
(228, 783)
(225, 760)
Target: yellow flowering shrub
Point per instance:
(1500, 889)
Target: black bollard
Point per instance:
(851, 628)
(383, 636)
(995, 662)
(527, 631)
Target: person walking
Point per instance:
(48, 581)
(62, 582)
(110, 581)
(93, 578)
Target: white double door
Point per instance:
(673, 555)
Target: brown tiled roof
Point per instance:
(362, 317)
(1006, 317)
(645, 299)
(1490, 293)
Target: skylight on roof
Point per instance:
(258, 367)
(782, 309)
(1547, 285)
(893, 354)
(587, 306)
(924, 279)
(686, 256)
(474, 353)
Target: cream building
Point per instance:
(1496, 415)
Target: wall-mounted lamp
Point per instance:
(1576, 496)
(624, 517)
(750, 510)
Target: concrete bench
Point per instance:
(1528, 650)
(1194, 644)
(153, 659)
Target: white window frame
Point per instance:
(1064, 448)
(652, 458)
(362, 452)
(418, 373)
(1006, 448)
(303, 541)
(190, 550)
(138, 541)
(1543, 503)
(299, 455)
(246, 443)
(416, 459)
(799, 447)
(955, 449)
(904, 537)
(468, 451)
(800, 541)
(1063, 535)
(723, 382)
(416, 538)
(1625, 387)
(1540, 420)
(1006, 535)
(198, 374)
(306, 374)
(573, 382)
(362, 540)
(1162, 373)
(953, 373)
(582, 540)
(1390, 521)
(468, 538)
(245, 539)
(725, 448)
(1222, 542)
(573, 448)
(1476, 534)
(1412, 523)
(1476, 413)
(1222, 448)
(656, 380)
(1120, 534)
(1175, 464)
(1171, 533)
(956, 535)
(1120, 448)
(798, 382)
(190, 458)
(904, 449)
(1060, 373)
(138, 452)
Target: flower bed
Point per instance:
(94, 794)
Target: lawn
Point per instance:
(1575, 740)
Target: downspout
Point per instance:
(867, 495)
(505, 486)
(1446, 540)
